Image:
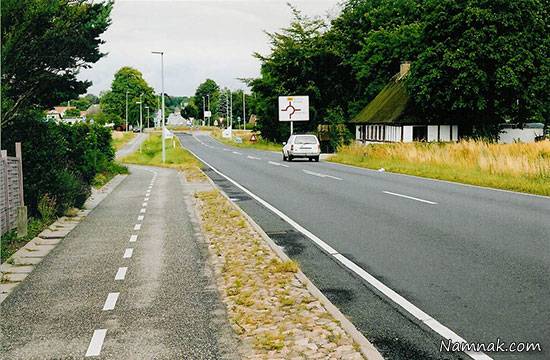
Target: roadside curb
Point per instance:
(18, 266)
(366, 348)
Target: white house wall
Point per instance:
(432, 133)
(445, 133)
(455, 133)
(508, 136)
(407, 133)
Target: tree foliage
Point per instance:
(475, 62)
(207, 93)
(44, 46)
(113, 102)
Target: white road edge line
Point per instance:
(133, 238)
(410, 197)
(121, 273)
(110, 302)
(392, 295)
(146, 199)
(128, 253)
(94, 349)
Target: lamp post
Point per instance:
(244, 112)
(161, 53)
(203, 101)
(140, 102)
(126, 110)
(147, 107)
(208, 99)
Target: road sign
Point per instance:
(293, 108)
(207, 114)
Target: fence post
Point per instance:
(4, 154)
(22, 210)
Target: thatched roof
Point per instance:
(390, 106)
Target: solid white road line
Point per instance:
(277, 164)
(409, 197)
(110, 302)
(321, 175)
(94, 349)
(143, 211)
(254, 157)
(128, 253)
(133, 238)
(392, 295)
(121, 273)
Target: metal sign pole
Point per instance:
(291, 127)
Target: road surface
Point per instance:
(129, 282)
(475, 260)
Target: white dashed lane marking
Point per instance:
(410, 197)
(133, 238)
(137, 226)
(94, 349)
(140, 217)
(253, 157)
(143, 211)
(277, 164)
(144, 204)
(110, 302)
(321, 175)
(121, 273)
(128, 253)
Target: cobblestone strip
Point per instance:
(268, 300)
(18, 266)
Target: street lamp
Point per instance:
(140, 102)
(126, 110)
(147, 107)
(161, 53)
(208, 99)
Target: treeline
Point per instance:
(44, 44)
(476, 63)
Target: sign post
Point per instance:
(293, 108)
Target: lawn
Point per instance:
(518, 167)
(260, 144)
(176, 156)
(121, 138)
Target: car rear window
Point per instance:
(306, 139)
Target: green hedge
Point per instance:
(58, 159)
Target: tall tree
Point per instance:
(484, 62)
(44, 46)
(206, 92)
(113, 103)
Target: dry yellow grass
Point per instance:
(520, 167)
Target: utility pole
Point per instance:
(208, 98)
(244, 112)
(140, 102)
(203, 101)
(161, 53)
(147, 107)
(231, 107)
(126, 110)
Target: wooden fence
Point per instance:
(12, 205)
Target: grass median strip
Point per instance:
(516, 167)
(270, 309)
(176, 157)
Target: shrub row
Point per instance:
(59, 160)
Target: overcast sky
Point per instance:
(201, 39)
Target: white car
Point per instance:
(301, 146)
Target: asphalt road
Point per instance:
(130, 282)
(476, 260)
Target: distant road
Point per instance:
(475, 260)
(132, 146)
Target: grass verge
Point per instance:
(121, 138)
(10, 243)
(516, 167)
(269, 308)
(260, 144)
(110, 171)
(176, 157)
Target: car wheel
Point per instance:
(284, 157)
(310, 159)
(317, 158)
(289, 157)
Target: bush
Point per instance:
(58, 159)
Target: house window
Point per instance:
(420, 133)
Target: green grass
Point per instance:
(10, 243)
(176, 156)
(122, 138)
(110, 172)
(515, 167)
(260, 144)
